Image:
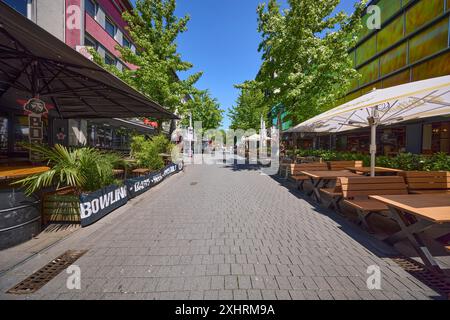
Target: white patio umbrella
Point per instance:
(415, 100)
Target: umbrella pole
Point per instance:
(373, 149)
(373, 121)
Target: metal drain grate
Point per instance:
(440, 283)
(41, 277)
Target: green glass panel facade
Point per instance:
(429, 41)
(423, 12)
(369, 72)
(388, 8)
(391, 34)
(393, 60)
(367, 50)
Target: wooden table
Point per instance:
(20, 171)
(320, 179)
(429, 210)
(141, 172)
(378, 170)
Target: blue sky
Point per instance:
(222, 41)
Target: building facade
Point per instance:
(412, 44)
(80, 24)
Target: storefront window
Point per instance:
(3, 135)
(440, 137)
(21, 132)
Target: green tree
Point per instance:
(306, 66)
(154, 29)
(204, 108)
(249, 108)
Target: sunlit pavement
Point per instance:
(222, 232)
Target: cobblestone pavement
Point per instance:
(217, 232)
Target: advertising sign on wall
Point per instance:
(96, 205)
(137, 186)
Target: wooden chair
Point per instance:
(341, 165)
(356, 192)
(295, 171)
(422, 182)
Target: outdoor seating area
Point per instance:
(415, 200)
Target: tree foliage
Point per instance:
(249, 108)
(204, 108)
(154, 29)
(306, 66)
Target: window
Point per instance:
(89, 42)
(110, 28)
(22, 6)
(91, 8)
(110, 60)
(126, 42)
(3, 134)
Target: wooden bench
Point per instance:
(299, 178)
(342, 165)
(356, 192)
(335, 194)
(423, 182)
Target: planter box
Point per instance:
(61, 206)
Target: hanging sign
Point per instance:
(35, 109)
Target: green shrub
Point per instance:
(84, 169)
(146, 152)
(404, 161)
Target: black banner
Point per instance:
(96, 205)
(138, 186)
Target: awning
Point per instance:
(34, 63)
(415, 100)
(410, 101)
(132, 124)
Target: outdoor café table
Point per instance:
(378, 170)
(320, 179)
(141, 172)
(429, 210)
(20, 172)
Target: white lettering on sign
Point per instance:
(87, 209)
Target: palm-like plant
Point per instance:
(84, 169)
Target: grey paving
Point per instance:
(218, 232)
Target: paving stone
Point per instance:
(237, 237)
